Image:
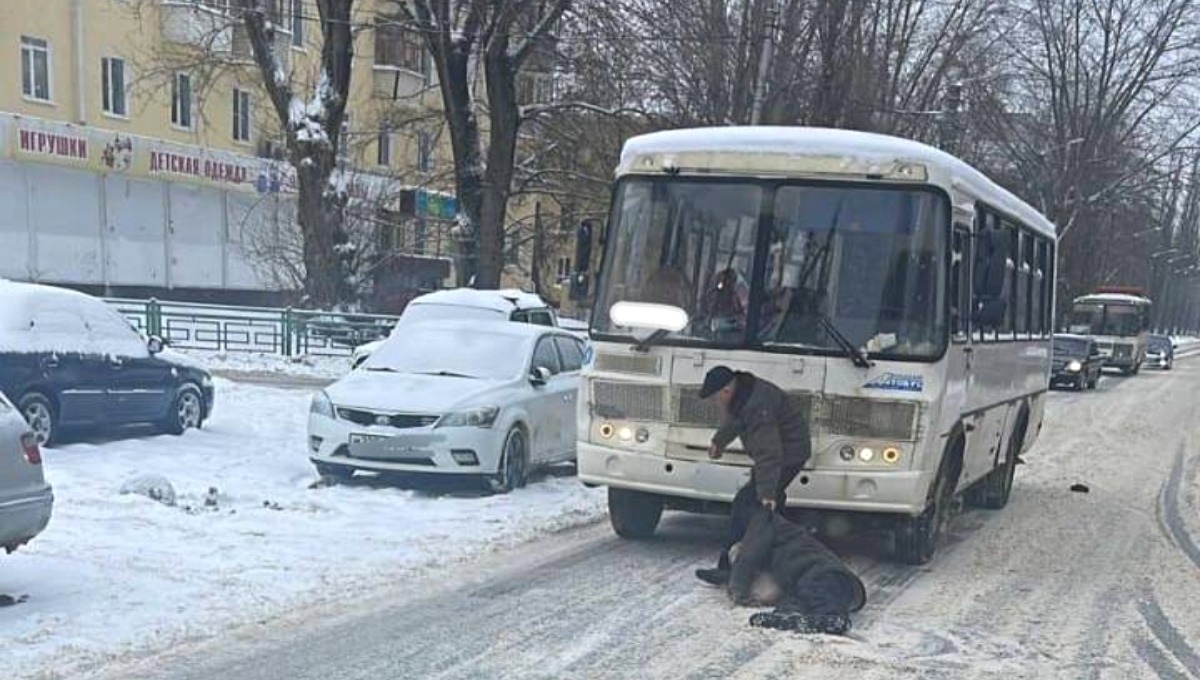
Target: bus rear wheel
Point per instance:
(634, 514)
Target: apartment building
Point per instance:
(128, 167)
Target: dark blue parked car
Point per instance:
(70, 362)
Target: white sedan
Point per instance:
(490, 399)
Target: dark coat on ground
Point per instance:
(773, 428)
(811, 579)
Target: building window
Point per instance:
(564, 268)
(384, 147)
(241, 115)
(114, 86)
(534, 88)
(424, 152)
(298, 23)
(35, 68)
(398, 47)
(181, 100)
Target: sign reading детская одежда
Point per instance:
(214, 170)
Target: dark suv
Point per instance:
(1077, 362)
(70, 362)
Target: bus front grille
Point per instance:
(627, 363)
(627, 401)
(829, 415)
(857, 417)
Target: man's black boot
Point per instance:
(713, 577)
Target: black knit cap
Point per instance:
(715, 379)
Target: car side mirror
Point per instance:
(539, 376)
(155, 344)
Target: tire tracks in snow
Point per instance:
(1168, 635)
(1170, 520)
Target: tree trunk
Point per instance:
(497, 177)
(319, 214)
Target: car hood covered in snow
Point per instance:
(410, 392)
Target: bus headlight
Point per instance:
(846, 453)
(891, 454)
(1074, 367)
(642, 435)
(606, 430)
(625, 434)
(866, 454)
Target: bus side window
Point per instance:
(960, 283)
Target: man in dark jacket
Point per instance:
(774, 433)
(780, 563)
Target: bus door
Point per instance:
(961, 355)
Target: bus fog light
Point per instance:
(625, 434)
(847, 453)
(606, 430)
(866, 455)
(891, 454)
(642, 435)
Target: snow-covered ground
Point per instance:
(263, 364)
(115, 574)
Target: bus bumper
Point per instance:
(869, 492)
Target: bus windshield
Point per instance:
(1101, 319)
(867, 262)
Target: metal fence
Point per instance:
(287, 331)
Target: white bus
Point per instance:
(904, 297)
(1119, 320)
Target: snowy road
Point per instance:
(1060, 584)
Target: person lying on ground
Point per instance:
(779, 563)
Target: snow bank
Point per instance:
(116, 574)
(305, 366)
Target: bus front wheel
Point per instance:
(916, 537)
(633, 514)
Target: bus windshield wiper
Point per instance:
(856, 355)
(644, 344)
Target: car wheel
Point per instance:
(41, 416)
(1094, 380)
(634, 514)
(186, 412)
(514, 462)
(1080, 383)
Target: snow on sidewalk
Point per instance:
(115, 574)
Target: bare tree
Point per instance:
(500, 37)
(309, 114)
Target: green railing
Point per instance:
(222, 328)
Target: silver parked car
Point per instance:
(488, 399)
(25, 497)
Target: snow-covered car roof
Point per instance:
(16, 301)
(869, 149)
(502, 300)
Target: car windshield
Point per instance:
(1070, 347)
(1094, 318)
(868, 260)
(1159, 342)
(420, 313)
(458, 352)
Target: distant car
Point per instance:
(1076, 362)
(71, 362)
(1160, 352)
(488, 399)
(468, 303)
(25, 497)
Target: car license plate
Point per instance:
(359, 438)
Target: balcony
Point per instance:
(212, 26)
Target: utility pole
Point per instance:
(764, 63)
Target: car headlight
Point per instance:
(321, 405)
(1074, 367)
(484, 416)
(206, 380)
